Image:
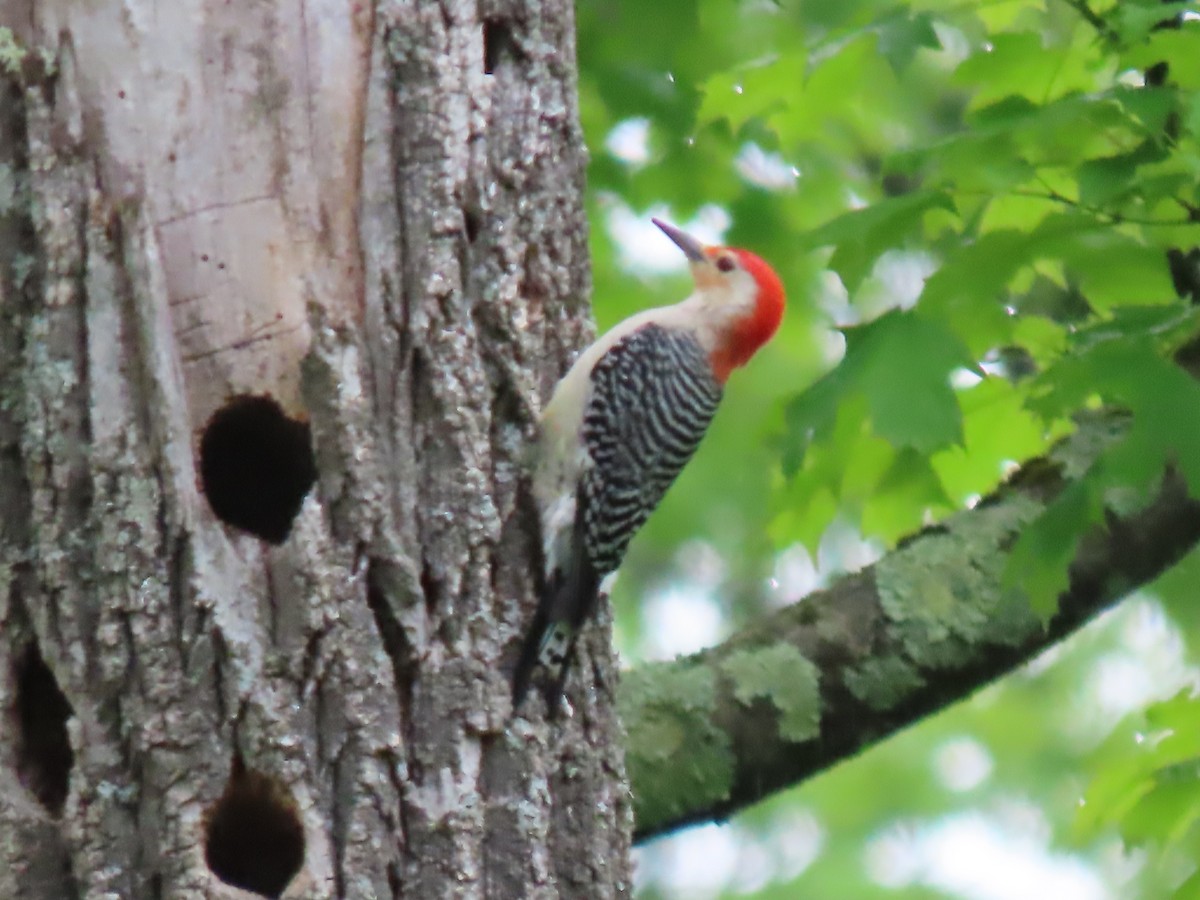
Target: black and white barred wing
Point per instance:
(653, 396)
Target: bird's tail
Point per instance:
(544, 657)
(549, 643)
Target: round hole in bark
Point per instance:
(253, 837)
(44, 754)
(497, 39)
(256, 465)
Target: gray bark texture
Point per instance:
(244, 246)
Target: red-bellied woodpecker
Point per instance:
(621, 425)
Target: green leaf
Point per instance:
(1151, 106)
(1191, 118)
(906, 362)
(904, 496)
(997, 431)
(1113, 268)
(1148, 775)
(977, 162)
(1061, 132)
(1164, 400)
(1190, 889)
(1103, 180)
(862, 235)
(1177, 47)
(1176, 588)
(967, 291)
(1135, 19)
(1168, 810)
(902, 34)
(831, 13)
(901, 364)
(750, 93)
(1022, 63)
(1160, 325)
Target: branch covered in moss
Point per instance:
(927, 625)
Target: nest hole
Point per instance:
(256, 466)
(44, 754)
(253, 837)
(497, 42)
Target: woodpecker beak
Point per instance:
(692, 248)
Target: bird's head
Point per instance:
(739, 294)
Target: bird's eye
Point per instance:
(726, 264)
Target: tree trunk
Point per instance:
(281, 285)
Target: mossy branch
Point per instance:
(927, 625)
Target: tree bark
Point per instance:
(243, 247)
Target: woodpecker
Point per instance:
(619, 427)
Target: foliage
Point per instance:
(986, 215)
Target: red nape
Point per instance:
(757, 328)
